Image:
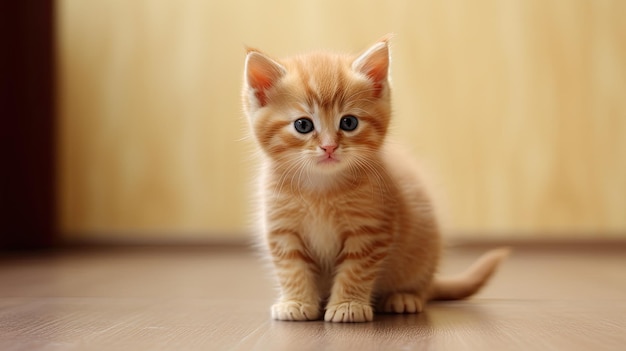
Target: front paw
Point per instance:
(349, 312)
(295, 311)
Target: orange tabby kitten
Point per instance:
(349, 227)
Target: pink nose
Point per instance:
(329, 149)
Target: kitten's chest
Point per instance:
(323, 240)
(321, 227)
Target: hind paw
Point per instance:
(401, 303)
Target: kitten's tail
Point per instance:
(469, 282)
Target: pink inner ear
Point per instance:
(374, 63)
(260, 83)
(262, 73)
(377, 69)
(259, 79)
(378, 74)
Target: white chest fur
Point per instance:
(321, 233)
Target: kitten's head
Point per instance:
(324, 112)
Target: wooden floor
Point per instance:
(218, 299)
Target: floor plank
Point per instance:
(218, 299)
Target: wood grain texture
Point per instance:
(516, 109)
(210, 299)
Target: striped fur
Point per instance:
(349, 230)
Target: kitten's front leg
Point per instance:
(297, 275)
(357, 269)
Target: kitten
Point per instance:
(348, 225)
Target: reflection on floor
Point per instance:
(209, 298)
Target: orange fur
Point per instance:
(347, 223)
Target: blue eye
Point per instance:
(303, 125)
(348, 123)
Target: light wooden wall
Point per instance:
(517, 109)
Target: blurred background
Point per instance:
(515, 109)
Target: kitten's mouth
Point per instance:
(328, 159)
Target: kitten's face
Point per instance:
(321, 112)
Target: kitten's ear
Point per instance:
(261, 73)
(374, 63)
